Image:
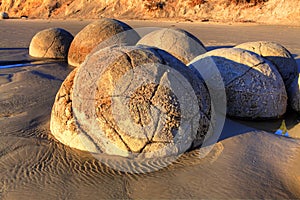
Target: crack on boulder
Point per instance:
(53, 41)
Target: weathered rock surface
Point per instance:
(180, 43)
(294, 94)
(4, 15)
(278, 55)
(102, 33)
(132, 104)
(254, 87)
(51, 43)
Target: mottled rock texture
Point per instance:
(104, 32)
(254, 87)
(51, 43)
(145, 102)
(180, 43)
(278, 55)
(294, 94)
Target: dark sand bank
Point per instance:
(247, 162)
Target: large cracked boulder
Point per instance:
(180, 43)
(51, 43)
(101, 33)
(278, 55)
(254, 87)
(132, 102)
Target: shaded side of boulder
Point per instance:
(51, 43)
(103, 33)
(180, 43)
(254, 87)
(280, 57)
(294, 95)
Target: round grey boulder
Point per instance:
(180, 43)
(51, 43)
(132, 102)
(254, 87)
(4, 15)
(100, 34)
(278, 55)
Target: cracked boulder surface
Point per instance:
(51, 43)
(180, 43)
(278, 55)
(294, 94)
(140, 98)
(254, 87)
(100, 34)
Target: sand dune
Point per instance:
(247, 162)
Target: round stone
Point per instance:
(180, 43)
(294, 94)
(4, 15)
(278, 55)
(51, 43)
(101, 33)
(254, 87)
(132, 102)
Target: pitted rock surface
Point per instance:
(254, 87)
(100, 34)
(141, 106)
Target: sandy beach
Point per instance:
(249, 160)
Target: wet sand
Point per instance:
(249, 161)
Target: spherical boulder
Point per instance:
(278, 55)
(180, 43)
(254, 87)
(294, 94)
(101, 33)
(51, 43)
(4, 15)
(132, 102)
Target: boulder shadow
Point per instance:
(210, 48)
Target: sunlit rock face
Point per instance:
(51, 43)
(180, 43)
(132, 101)
(278, 55)
(102, 33)
(254, 87)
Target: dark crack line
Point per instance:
(250, 68)
(50, 46)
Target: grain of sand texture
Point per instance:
(247, 162)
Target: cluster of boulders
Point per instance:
(127, 95)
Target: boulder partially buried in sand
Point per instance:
(177, 42)
(254, 87)
(51, 43)
(278, 55)
(102, 33)
(124, 101)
